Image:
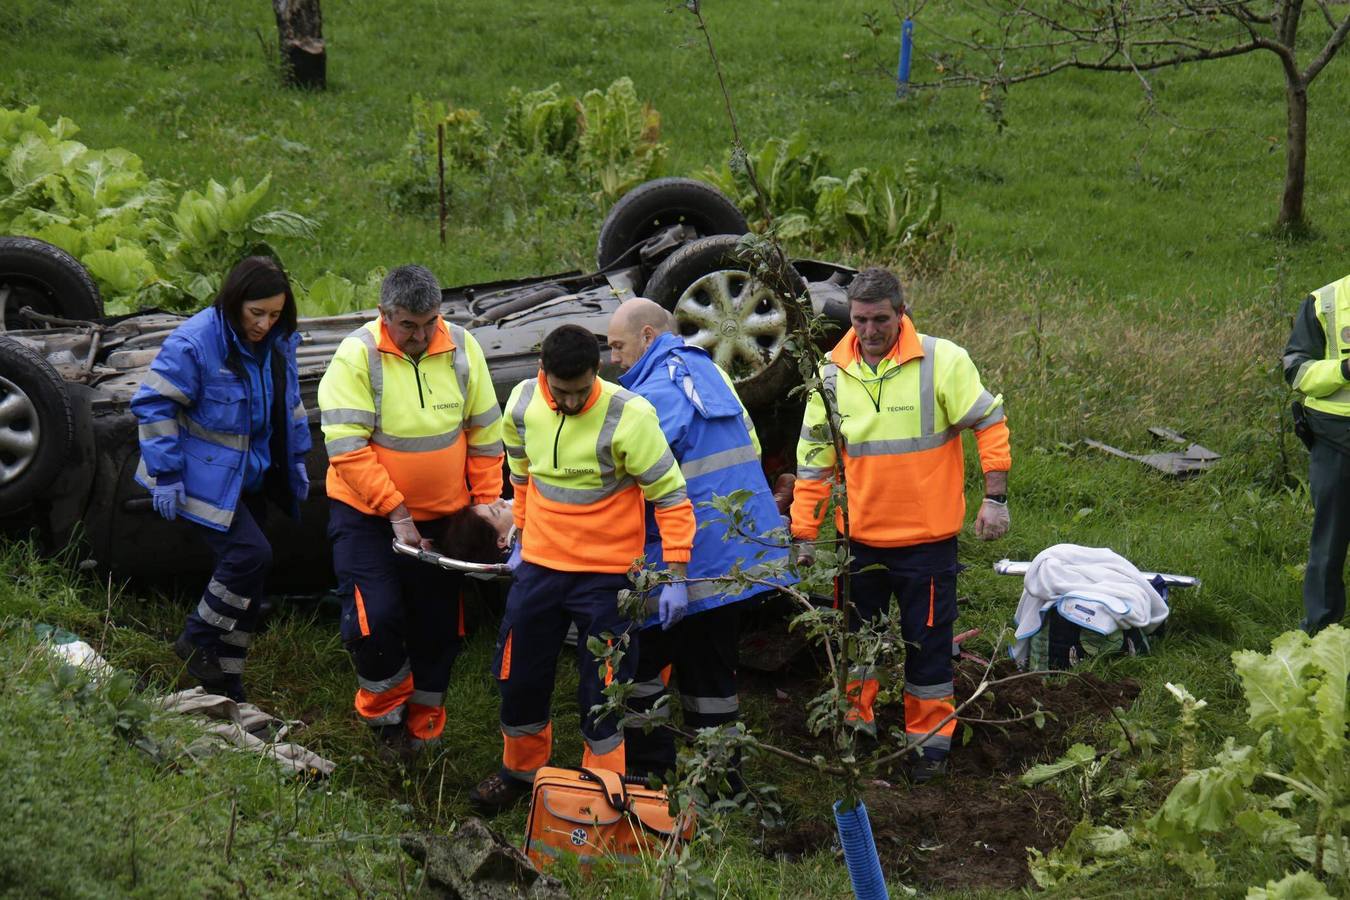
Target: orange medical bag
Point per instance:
(595, 814)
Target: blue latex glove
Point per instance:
(166, 498)
(513, 561)
(301, 485)
(674, 601)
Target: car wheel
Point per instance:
(655, 205)
(37, 428)
(46, 278)
(742, 322)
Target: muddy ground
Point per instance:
(972, 828)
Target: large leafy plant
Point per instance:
(879, 212)
(143, 245)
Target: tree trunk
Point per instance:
(1295, 157)
(304, 61)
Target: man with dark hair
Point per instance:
(904, 398)
(715, 444)
(1317, 365)
(413, 433)
(584, 453)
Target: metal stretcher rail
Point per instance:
(1016, 567)
(446, 562)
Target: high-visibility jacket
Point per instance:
(715, 444)
(424, 432)
(1322, 381)
(902, 425)
(196, 410)
(580, 479)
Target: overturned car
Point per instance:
(68, 440)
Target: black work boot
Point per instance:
(497, 793)
(202, 662)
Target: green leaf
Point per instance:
(238, 207)
(1331, 651)
(1299, 886)
(124, 270)
(285, 223)
(1076, 757)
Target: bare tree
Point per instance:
(304, 59)
(1019, 40)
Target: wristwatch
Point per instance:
(997, 498)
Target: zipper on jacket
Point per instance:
(417, 377)
(557, 434)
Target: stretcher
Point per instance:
(479, 570)
(1019, 568)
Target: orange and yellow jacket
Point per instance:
(902, 425)
(580, 480)
(424, 432)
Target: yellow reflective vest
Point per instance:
(1322, 381)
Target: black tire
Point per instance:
(654, 205)
(37, 427)
(46, 278)
(703, 280)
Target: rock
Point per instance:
(476, 863)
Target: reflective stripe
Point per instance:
(225, 595)
(364, 417)
(977, 410)
(220, 438)
(715, 462)
(605, 745)
(427, 698)
(580, 496)
(657, 469)
(936, 742)
(385, 684)
(992, 419)
(213, 618)
(862, 673)
(198, 509)
(425, 444)
(829, 376)
(1326, 298)
(1288, 360)
(460, 361)
(930, 691)
(162, 428)
(604, 441)
(816, 473)
(711, 706)
(520, 479)
(524, 730)
(165, 388)
(298, 412)
(237, 638)
(393, 717)
(638, 719)
(1302, 370)
(483, 419)
(701, 590)
(231, 665)
(374, 369)
(895, 446)
(644, 689)
(672, 498)
(518, 413)
(493, 449)
(926, 395)
(345, 445)
(515, 452)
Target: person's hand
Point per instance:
(672, 605)
(405, 531)
(301, 483)
(166, 498)
(513, 561)
(805, 552)
(993, 520)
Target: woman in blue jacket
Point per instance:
(222, 430)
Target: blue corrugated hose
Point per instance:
(860, 852)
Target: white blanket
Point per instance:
(1093, 587)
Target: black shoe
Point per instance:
(926, 768)
(497, 793)
(202, 662)
(229, 689)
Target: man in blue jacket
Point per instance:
(714, 441)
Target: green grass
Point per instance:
(1115, 272)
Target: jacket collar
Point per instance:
(651, 359)
(441, 342)
(848, 352)
(548, 395)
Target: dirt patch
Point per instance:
(971, 829)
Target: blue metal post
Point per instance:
(906, 50)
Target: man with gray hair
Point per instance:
(413, 433)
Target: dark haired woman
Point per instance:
(222, 429)
(478, 533)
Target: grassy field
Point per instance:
(1115, 271)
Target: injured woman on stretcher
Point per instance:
(482, 533)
